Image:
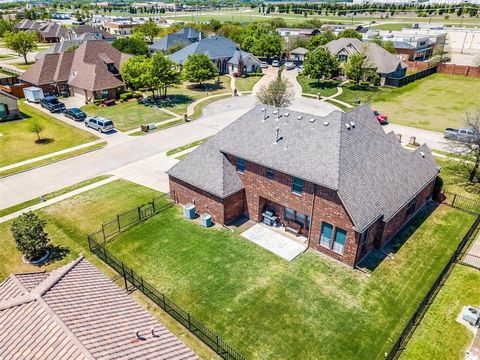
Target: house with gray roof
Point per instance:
(341, 179)
(377, 58)
(76, 312)
(180, 38)
(222, 51)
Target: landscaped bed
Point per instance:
(310, 308)
(128, 115)
(433, 103)
(17, 142)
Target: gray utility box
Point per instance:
(189, 211)
(471, 315)
(206, 220)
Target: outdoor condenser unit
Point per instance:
(471, 315)
(189, 211)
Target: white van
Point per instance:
(99, 123)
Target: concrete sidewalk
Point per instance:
(57, 199)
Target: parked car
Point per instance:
(52, 104)
(99, 123)
(382, 119)
(75, 114)
(465, 135)
(264, 65)
(289, 65)
(275, 63)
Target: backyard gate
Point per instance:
(146, 211)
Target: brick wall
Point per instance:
(452, 69)
(233, 206)
(416, 65)
(276, 194)
(396, 222)
(183, 193)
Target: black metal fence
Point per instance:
(407, 332)
(129, 218)
(398, 82)
(183, 317)
(462, 203)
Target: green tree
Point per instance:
(276, 93)
(72, 47)
(389, 46)
(36, 128)
(321, 64)
(148, 30)
(136, 72)
(355, 68)
(268, 45)
(21, 42)
(164, 73)
(199, 68)
(350, 33)
(176, 47)
(29, 234)
(131, 45)
(439, 56)
(5, 26)
(320, 39)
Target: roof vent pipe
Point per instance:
(352, 124)
(325, 123)
(347, 125)
(264, 114)
(422, 153)
(277, 135)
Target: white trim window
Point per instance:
(326, 235)
(339, 242)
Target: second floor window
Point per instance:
(297, 185)
(240, 165)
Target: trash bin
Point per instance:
(206, 220)
(189, 211)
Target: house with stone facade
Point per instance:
(347, 184)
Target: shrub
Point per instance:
(97, 102)
(126, 96)
(376, 80)
(31, 239)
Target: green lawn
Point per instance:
(180, 97)
(312, 86)
(391, 27)
(21, 65)
(308, 309)
(246, 83)
(433, 103)
(439, 335)
(17, 143)
(128, 115)
(454, 175)
(185, 147)
(68, 235)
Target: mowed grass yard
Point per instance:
(17, 142)
(433, 103)
(69, 238)
(439, 335)
(246, 83)
(312, 86)
(128, 115)
(309, 309)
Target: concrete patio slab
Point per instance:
(274, 241)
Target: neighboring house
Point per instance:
(120, 27)
(8, 106)
(298, 54)
(222, 51)
(92, 71)
(182, 37)
(77, 312)
(87, 32)
(338, 28)
(377, 58)
(49, 32)
(286, 32)
(348, 185)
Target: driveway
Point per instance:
(433, 139)
(271, 72)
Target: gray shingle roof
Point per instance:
(378, 57)
(215, 47)
(371, 172)
(76, 312)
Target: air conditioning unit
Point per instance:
(189, 211)
(472, 316)
(206, 220)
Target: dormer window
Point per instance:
(112, 68)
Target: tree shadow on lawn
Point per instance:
(376, 256)
(176, 99)
(57, 253)
(457, 173)
(210, 87)
(323, 84)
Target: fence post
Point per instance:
(454, 199)
(89, 243)
(217, 341)
(103, 232)
(124, 277)
(105, 254)
(189, 322)
(118, 222)
(141, 282)
(139, 217)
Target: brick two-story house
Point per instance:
(348, 184)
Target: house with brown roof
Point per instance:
(91, 71)
(87, 32)
(76, 312)
(49, 32)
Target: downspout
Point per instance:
(311, 213)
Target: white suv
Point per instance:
(99, 123)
